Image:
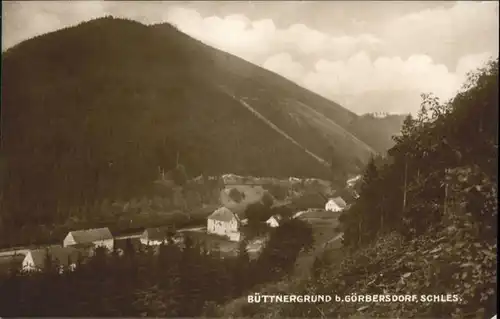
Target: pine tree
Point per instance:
(241, 269)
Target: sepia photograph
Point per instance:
(249, 159)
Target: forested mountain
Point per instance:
(90, 112)
(425, 223)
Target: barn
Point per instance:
(274, 221)
(336, 204)
(99, 237)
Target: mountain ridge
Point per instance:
(91, 111)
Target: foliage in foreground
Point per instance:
(408, 193)
(425, 223)
(167, 281)
(449, 262)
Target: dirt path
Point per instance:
(325, 238)
(338, 127)
(273, 126)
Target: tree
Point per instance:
(241, 269)
(337, 169)
(236, 195)
(283, 247)
(317, 266)
(277, 191)
(267, 199)
(257, 213)
(49, 264)
(370, 176)
(406, 193)
(179, 175)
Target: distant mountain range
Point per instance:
(92, 112)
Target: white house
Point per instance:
(352, 181)
(274, 221)
(300, 213)
(63, 257)
(99, 237)
(224, 222)
(336, 204)
(154, 236)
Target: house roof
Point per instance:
(91, 235)
(347, 194)
(278, 218)
(61, 255)
(158, 233)
(223, 214)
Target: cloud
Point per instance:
(359, 79)
(472, 62)
(383, 67)
(235, 34)
(359, 71)
(26, 19)
(257, 40)
(466, 27)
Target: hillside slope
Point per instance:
(442, 242)
(92, 111)
(255, 84)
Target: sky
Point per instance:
(369, 56)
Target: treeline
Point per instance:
(425, 222)
(165, 281)
(410, 191)
(176, 201)
(426, 219)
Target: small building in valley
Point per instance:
(224, 222)
(274, 221)
(155, 236)
(349, 195)
(60, 257)
(336, 204)
(353, 181)
(99, 237)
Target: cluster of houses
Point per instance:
(226, 221)
(77, 244)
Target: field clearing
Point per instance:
(226, 247)
(324, 225)
(213, 241)
(320, 214)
